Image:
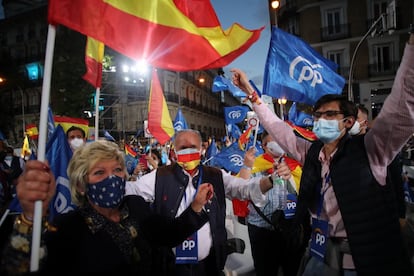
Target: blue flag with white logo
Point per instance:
(179, 123)
(235, 114)
(299, 118)
(58, 154)
(212, 150)
(230, 158)
(296, 72)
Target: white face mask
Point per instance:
(355, 129)
(275, 149)
(76, 143)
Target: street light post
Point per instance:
(281, 103)
(351, 69)
(275, 5)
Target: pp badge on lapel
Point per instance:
(187, 251)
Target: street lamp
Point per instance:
(281, 103)
(275, 5)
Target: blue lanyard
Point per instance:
(322, 194)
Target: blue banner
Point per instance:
(299, 118)
(58, 154)
(296, 72)
(230, 158)
(220, 83)
(108, 136)
(235, 114)
(180, 123)
(212, 150)
(233, 131)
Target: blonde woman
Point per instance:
(108, 232)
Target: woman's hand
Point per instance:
(36, 183)
(204, 194)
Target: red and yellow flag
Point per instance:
(130, 151)
(94, 54)
(25, 148)
(178, 35)
(303, 132)
(245, 137)
(67, 122)
(32, 131)
(159, 120)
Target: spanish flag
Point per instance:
(130, 151)
(67, 122)
(245, 137)
(159, 120)
(303, 132)
(177, 35)
(94, 54)
(32, 131)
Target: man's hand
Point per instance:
(204, 194)
(240, 79)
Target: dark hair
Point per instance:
(72, 128)
(363, 109)
(158, 154)
(345, 106)
(264, 135)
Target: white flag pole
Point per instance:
(37, 219)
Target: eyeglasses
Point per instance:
(328, 113)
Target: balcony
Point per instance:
(335, 32)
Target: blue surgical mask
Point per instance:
(107, 193)
(326, 130)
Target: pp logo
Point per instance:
(319, 239)
(236, 159)
(178, 126)
(291, 205)
(308, 72)
(235, 114)
(188, 244)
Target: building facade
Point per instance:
(370, 34)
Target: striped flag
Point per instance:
(32, 131)
(67, 122)
(177, 35)
(245, 137)
(26, 147)
(94, 54)
(159, 120)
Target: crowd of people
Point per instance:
(168, 216)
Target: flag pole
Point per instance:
(97, 96)
(37, 218)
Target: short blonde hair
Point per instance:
(85, 158)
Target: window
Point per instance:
(383, 57)
(333, 20)
(292, 26)
(379, 7)
(337, 57)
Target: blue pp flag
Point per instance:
(211, 151)
(50, 123)
(233, 131)
(180, 123)
(220, 83)
(108, 136)
(230, 158)
(296, 72)
(235, 114)
(58, 154)
(299, 118)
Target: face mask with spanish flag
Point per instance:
(188, 159)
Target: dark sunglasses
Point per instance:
(328, 113)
